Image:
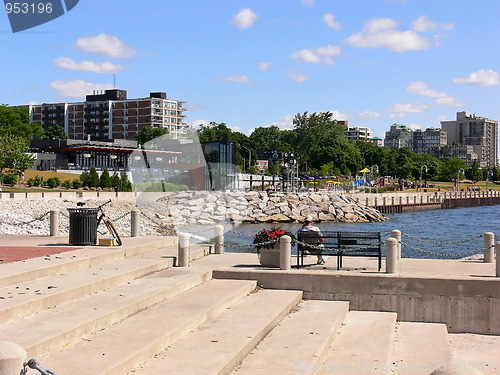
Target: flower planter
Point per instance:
(269, 256)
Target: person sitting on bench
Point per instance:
(315, 238)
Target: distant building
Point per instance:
(464, 153)
(357, 133)
(379, 142)
(399, 136)
(110, 115)
(479, 132)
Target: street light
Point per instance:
(371, 176)
(250, 158)
(426, 170)
(490, 173)
(458, 178)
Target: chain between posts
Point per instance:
(442, 243)
(444, 255)
(39, 218)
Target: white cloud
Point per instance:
(244, 19)
(369, 114)
(263, 66)
(88, 66)
(34, 102)
(402, 109)
(381, 32)
(329, 19)
(77, 88)
(308, 3)
(482, 77)
(424, 25)
(238, 79)
(197, 123)
(441, 118)
(320, 55)
(106, 45)
(336, 115)
(284, 123)
(296, 76)
(422, 88)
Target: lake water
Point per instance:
(436, 225)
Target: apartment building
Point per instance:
(399, 136)
(357, 133)
(111, 115)
(479, 132)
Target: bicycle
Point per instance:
(34, 364)
(109, 224)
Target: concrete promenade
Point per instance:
(388, 318)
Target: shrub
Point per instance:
(66, 184)
(77, 184)
(10, 179)
(53, 182)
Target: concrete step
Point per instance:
(31, 297)
(124, 346)
(421, 348)
(298, 345)
(53, 329)
(220, 344)
(364, 344)
(78, 259)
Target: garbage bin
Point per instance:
(83, 226)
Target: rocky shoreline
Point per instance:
(207, 208)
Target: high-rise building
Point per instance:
(110, 115)
(399, 136)
(358, 132)
(479, 132)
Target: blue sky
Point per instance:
(252, 63)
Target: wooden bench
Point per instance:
(355, 244)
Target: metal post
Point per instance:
(12, 358)
(135, 224)
(219, 239)
(54, 222)
(285, 252)
(489, 247)
(391, 255)
(183, 250)
(396, 233)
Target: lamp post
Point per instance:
(421, 169)
(490, 173)
(250, 156)
(458, 177)
(371, 175)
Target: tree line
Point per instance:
(321, 148)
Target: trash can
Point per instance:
(83, 226)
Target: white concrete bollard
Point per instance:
(184, 253)
(391, 255)
(12, 358)
(396, 233)
(135, 222)
(285, 252)
(219, 239)
(498, 259)
(54, 222)
(489, 247)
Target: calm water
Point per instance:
(437, 225)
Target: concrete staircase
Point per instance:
(130, 311)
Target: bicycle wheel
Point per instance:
(112, 230)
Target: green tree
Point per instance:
(13, 155)
(85, 178)
(125, 183)
(105, 181)
(474, 172)
(449, 169)
(402, 163)
(93, 178)
(16, 121)
(214, 132)
(115, 180)
(55, 132)
(148, 133)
